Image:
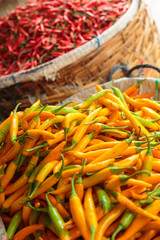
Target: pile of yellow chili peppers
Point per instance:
(83, 171)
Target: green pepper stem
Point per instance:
(23, 157)
(115, 170)
(79, 179)
(16, 108)
(36, 185)
(38, 234)
(104, 127)
(124, 178)
(37, 117)
(74, 143)
(59, 174)
(70, 167)
(154, 120)
(119, 228)
(28, 194)
(44, 144)
(2, 168)
(155, 191)
(48, 201)
(137, 85)
(73, 192)
(17, 160)
(93, 121)
(106, 130)
(28, 204)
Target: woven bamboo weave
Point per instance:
(137, 43)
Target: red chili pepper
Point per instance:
(44, 29)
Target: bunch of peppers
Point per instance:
(88, 170)
(42, 30)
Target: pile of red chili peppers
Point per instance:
(42, 30)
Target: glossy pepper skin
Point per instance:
(14, 223)
(77, 212)
(57, 220)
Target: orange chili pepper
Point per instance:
(82, 128)
(62, 182)
(79, 188)
(84, 142)
(29, 116)
(77, 212)
(12, 153)
(37, 133)
(26, 231)
(145, 95)
(90, 212)
(68, 119)
(26, 212)
(12, 198)
(115, 151)
(108, 219)
(14, 125)
(88, 168)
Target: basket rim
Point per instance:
(50, 68)
(105, 85)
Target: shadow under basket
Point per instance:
(137, 43)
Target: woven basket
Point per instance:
(148, 85)
(132, 40)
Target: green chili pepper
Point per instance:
(56, 219)
(119, 94)
(90, 100)
(13, 225)
(126, 220)
(104, 200)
